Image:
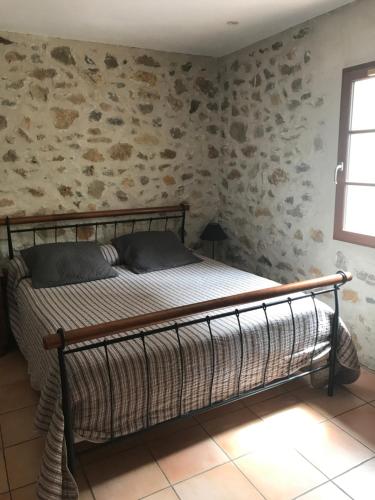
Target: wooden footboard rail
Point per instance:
(103, 335)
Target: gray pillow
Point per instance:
(148, 251)
(57, 264)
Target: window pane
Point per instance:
(361, 158)
(360, 210)
(363, 114)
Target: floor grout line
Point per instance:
(233, 462)
(23, 442)
(214, 467)
(230, 460)
(4, 458)
(244, 475)
(319, 486)
(330, 417)
(311, 489)
(327, 419)
(338, 475)
(345, 492)
(148, 448)
(351, 435)
(83, 472)
(352, 468)
(354, 394)
(148, 496)
(200, 473)
(23, 486)
(146, 445)
(16, 409)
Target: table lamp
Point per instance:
(213, 232)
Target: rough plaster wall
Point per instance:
(86, 126)
(281, 102)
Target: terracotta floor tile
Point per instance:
(359, 482)
(364, 387)
(5, 496)
(83, 486)
(167, 494)
(190, 452)
(26, 493)
(359, 423)
(18, 426)
(131, 474)
(167, 429)
(237, 433)
(287, 418)
(341, 401)
(17, 395)
(280, 473)
(332, 450)
(98, 452)
(13, 368)
(3, 474)
(221, 483)
(218, 412)
(23, 462)
(326, 492)
(263, 396)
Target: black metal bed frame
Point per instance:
(96, 224)
(64, 350)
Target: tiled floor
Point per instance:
(293, 442)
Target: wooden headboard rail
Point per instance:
(102, 330)
(34, 219)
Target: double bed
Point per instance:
(113, 377)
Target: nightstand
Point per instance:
(4, 324)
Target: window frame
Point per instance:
(349, 76)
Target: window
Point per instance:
(355, 172)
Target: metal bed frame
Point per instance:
(102, 334)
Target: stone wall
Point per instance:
(87, 126)
(251, 137)
(280, 116)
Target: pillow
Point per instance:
(58, 264)
(110, 254)
(148, 251)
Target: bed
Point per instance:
(137, 350)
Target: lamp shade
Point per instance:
(213, 232)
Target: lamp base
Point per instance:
(213, 250)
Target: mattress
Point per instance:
(209, 370)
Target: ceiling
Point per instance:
(188, 26)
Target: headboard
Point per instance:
(54, 223)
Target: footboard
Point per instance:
(103, 335)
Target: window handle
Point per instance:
(340, 167)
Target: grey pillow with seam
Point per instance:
(148, 251)
(58, 264)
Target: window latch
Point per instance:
(339, 168)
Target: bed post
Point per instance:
(334, 339)
(66, 406)
(184, 208)
(9, 236)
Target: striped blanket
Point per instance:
(35, 313)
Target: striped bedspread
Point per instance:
(35, 313)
